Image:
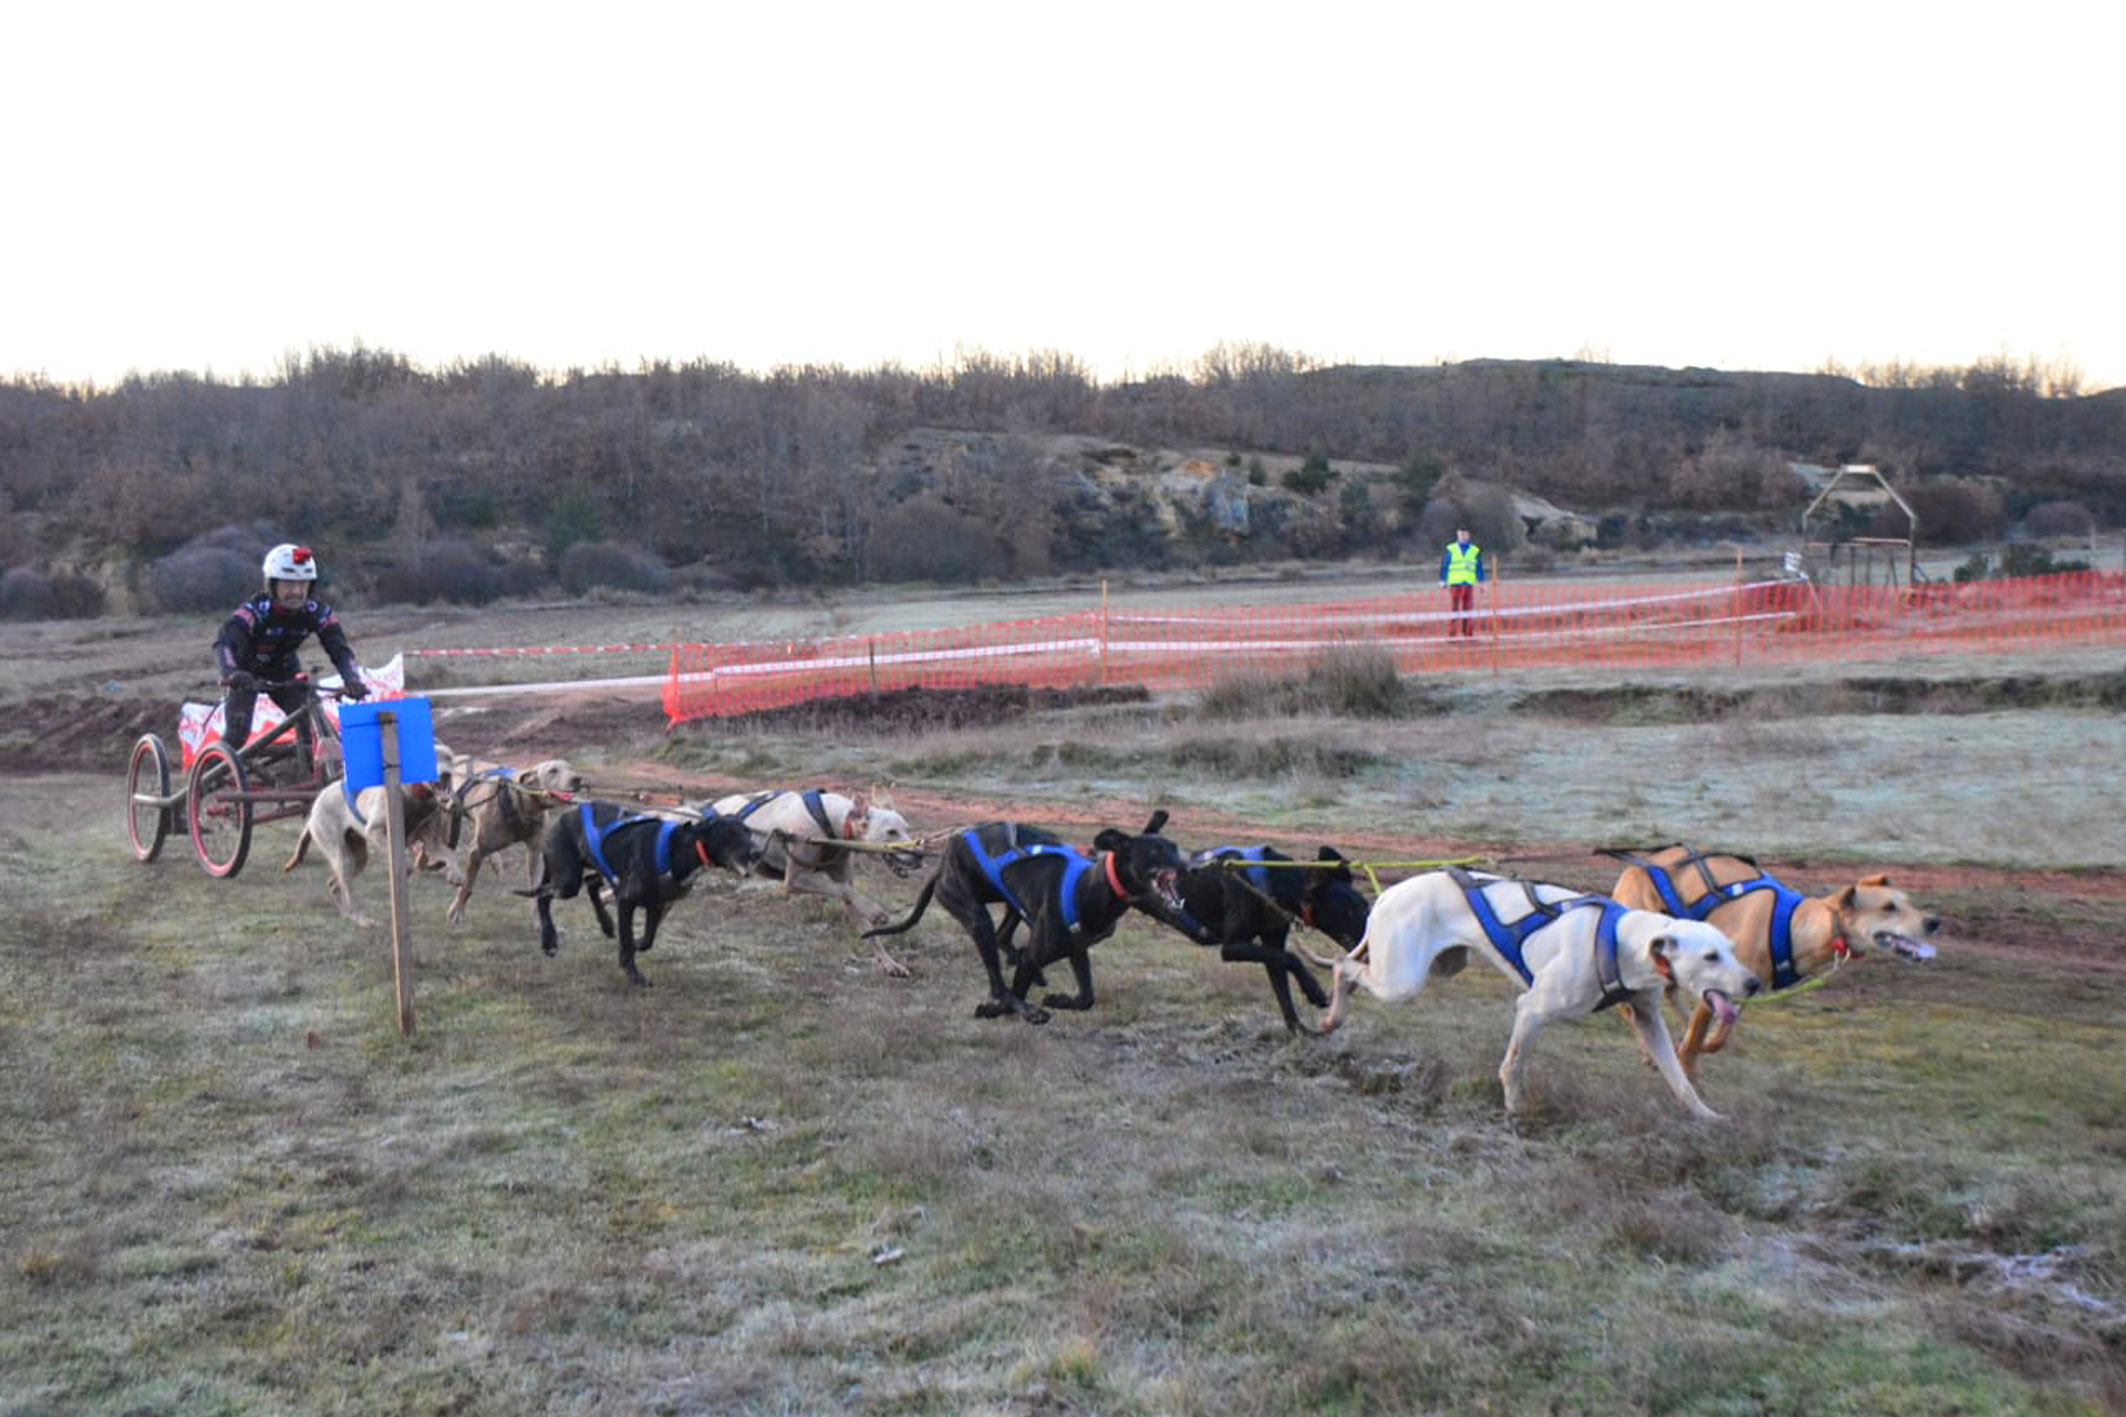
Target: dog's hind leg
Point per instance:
(974, 919)
(1343, 976)
(1081, 967)
(1529, 1015)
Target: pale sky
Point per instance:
(211, 186)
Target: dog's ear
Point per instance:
(1844, 899)
(1151, 828)
(1878, 879)
(1111, 839)
(1662, 948)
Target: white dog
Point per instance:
(347, 833)
(1572, 954)
(794, 831)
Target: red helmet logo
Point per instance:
(300, 555)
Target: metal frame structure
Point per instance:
(1862, 560)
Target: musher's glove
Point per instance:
(353, 688)
(243, 681)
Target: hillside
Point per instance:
(490, 479)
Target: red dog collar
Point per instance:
(1840, 948)
(1114, 881)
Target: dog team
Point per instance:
(1704, 930)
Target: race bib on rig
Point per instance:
(200, 724)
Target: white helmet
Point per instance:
(289, 562)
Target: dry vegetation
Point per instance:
(779, 1182)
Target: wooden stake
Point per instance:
(395, 837)
(1103, 630)
(1494, 622)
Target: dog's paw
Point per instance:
(990, 1008)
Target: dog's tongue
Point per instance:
(1724, 1011)
(1918, 951)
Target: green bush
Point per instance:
(1310, 476)
(2021, 559)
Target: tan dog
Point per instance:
(346, 836)
(506, 807)
(1779, 933)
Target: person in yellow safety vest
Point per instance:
(1461, 570)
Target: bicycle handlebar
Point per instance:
(301, 681)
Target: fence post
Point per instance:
(1496, 579)
(871, 645)
(1103, 631)
(395, 839)
(1737, 612)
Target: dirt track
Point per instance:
(2066, 915)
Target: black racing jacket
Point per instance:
(261, 639)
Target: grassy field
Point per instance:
(780, 1182)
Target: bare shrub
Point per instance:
(520, 579)
(25, 595)
(76, 597)
(1950, 513)
(926, 538)
(1436, 525)
(449, 571)
(200, 577)
(1487, 510)
(1356, 681)
(2049, 519)
(1344, 681)
(1732, 474)
(592, 564)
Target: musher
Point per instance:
(256, 647)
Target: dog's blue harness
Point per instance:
(1075, 864)
(815, 804)
(1256, 875)
(1509, 938)
(1784, 900)
(594, 839)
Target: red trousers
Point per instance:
(1461, 599)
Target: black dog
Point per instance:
(1070, 901)
(1232, 900)
(646, 860)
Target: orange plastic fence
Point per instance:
(1513, 627)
